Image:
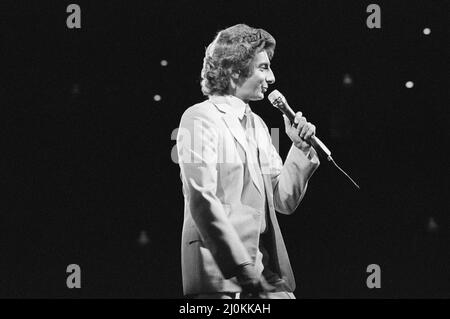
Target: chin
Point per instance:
(258, 98)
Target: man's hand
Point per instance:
(301, 133)
(252, 286)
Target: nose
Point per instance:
(270, 78)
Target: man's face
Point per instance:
(254, 87)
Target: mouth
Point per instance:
(264, 89)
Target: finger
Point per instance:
(297, 118)
(305, 129)
(287, 123)
(311, 131)
(301, 124)
(302, 132)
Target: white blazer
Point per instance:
(222, 214)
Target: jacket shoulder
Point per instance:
(204, 110)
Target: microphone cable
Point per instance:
(343, 172)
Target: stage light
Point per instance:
(143, 238)
(347, 80)
(157, 97)
(164, 62)
(426, 31)
(409, 84)
(75, 89)
(432, 226)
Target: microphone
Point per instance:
(279, 101)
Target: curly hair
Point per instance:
(233, 50)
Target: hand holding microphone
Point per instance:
(304, 134)
(305, 130)
(300, 132)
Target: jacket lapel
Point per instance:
(238, 133)
(236, 130)
(264, 145)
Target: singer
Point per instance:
(233, 178)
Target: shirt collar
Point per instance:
(230, 104)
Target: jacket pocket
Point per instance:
(191, 235)
(190, 242)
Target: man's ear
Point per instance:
(234, 79)
(235, 76)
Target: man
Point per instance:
(233, 178)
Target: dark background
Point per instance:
(86, 163)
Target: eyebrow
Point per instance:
(264, 63)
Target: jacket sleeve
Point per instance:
(197, 146)
(289, 181)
